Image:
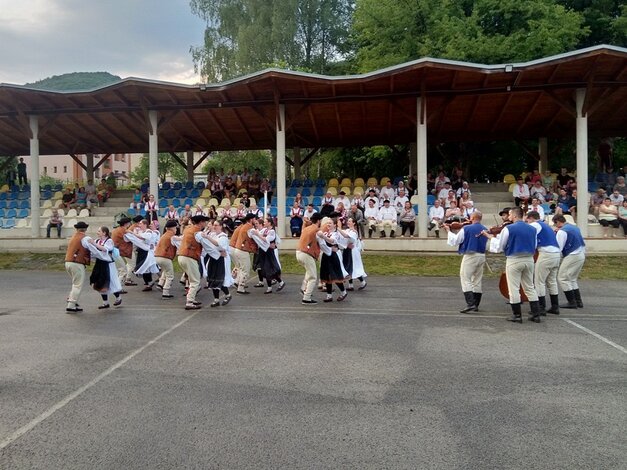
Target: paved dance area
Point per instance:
(393, 377)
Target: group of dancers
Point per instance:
(560, 258)
(137, 248)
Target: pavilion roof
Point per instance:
(465, 102)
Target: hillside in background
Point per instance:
(75, 81)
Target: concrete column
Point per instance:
(280, 170)
(153, 155)
(190, 165)
(543, 151)
(582, 164)
(297, 171)
(90, 166)
(413, 157)
(34, 176)
(421, 166)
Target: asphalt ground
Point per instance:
(393, 377)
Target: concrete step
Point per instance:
(492, 197)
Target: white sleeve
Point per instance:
(455, 239)
(561, 238)
(502, 240)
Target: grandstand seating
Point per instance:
(372, 181)
(333, 183)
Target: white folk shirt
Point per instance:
(399, 202)
(436, 213)
(539, 210)
(344, 200)
(371, 213)
(521, 191)
(387, 193)
(372, 198)
(387, 213)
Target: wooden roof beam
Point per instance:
(529, 113)
(78, 161)
(102, 160)
(221, 129)
(197, 129)
(87, 130)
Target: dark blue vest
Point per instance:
(473, 241)
(522, 239)
(574, 240)
(546, 237)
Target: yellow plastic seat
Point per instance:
(372, 181)
(346, 189)
(509, 178)
(384, 180)
(359, 182)
(511, 187)
(206, 194)
(358, 190)
(334, 183)
(332, 190)
(201, 202)
(213, 202)
(346, 182)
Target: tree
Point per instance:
(75, 81)
(388, 32)
(606, 20)
(168, 166)
(244, 36)
(237, 161)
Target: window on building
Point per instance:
(45, 170)
(54, 169)
(107, 164)
(64, 169)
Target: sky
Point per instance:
(129, 38)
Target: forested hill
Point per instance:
(75, 81)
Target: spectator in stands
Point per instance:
(548, 181)
(453, 213)
(21, 172)
(387, 218)
(430, 184)
(212, 213)
(596, 200)
(230, 189)
(342, 198)
(357, 215)
(309, 211)
(11, 176)
(440, 182)
(564, 202)
(458, 179)
(244, 177)
(254, 185)
(620, 186)
(256, 211)
(233, 175)
(371, 215)
(616, 198)
(245, 200)
(217, 190)
(81, 199)
(342, 215)
(622, 216)
(608, 216)
(186, 212)
(358, 201)
(266, 188)
(240, 214)
(145, 187)
(92, 194)
(401, 187)
(296, 219)
(104, 192)
(199, 210)
(172, 214)
(372, 196)
(444, 193)
(604, 153)
(623, 172)
(137, 202)
(536, 206)
(328, 204)
(463, 189)
(451, 197)
(388, 192)
(55, 220)
(211, 176)
(412, 185)
(67, 199)
(226, 217)
(436, 217)
(407, 219)
(466, 205)
(564, 179)
(533, 177)
(521, 192)
(222, 176)
(400, 200)
(152, 211)
(538, 191)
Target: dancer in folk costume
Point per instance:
(217, 267)
(124, 262)
(267, 240)
(145, 241)
(104, 277)
(351, 256)
(242, 246)
(331, 269)
(77, 258)
(165, 252)
(189, 258)
(152, 210)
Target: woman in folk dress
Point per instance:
(104, 277)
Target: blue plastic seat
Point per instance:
(11, 213)
(131, 212)
(3, 196)
(3, 205)
(189, 201)
(592, 186)
(296, 183)
(273, 211)
(23, 195)
(547, 208)
(430, 199)
(166, 186)
(308, 183)
(22, 214)
(9, 223)
(292, 191)
(306, 192)
(319, 191)
(47, 188)
(176, 203)
(171, 194)
(289, 202)
(163, 203)
(321, 183)
(194, 194)
(142, 212)
(57, 187)
(317, 201)
(162, 193)
(416, 208)
(12, 204)
(177, 186)
(2, 213)
(261, 202)
(189, 185)
(182, 194)
(200, 185)
(46, 195)
(23, 205)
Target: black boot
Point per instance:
(555, 305)
(570, 296)
(578, 298)
(535, 311)
(470, 303)
(392, 234)
(516, 313)
(477, 296)
(382, 233)
(542, 308)
(369, 233)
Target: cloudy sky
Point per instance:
(129, 38)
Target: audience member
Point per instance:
(137, 201)
(436, 217)
(387, 218)
(466, 205)
(408, 219)
(453, 213)
(342, 198)
(622, 216)
(230, 188)
(55, 220)
(596, 200)
(296, 219)
(444, 192)
(358, 201)
(548, 181)
(372, 197)
(245, 200)
(21, 172)
(463, 189)
(608, 216)
(387, 192)
(439, 183)
(371, 214)
(520, 192)
(538, 191)
(67, 199)
(533, 177)
(357, 215)
(400, 200)
(616, 198)
(564, 179)
(536, 206)
(620, 186)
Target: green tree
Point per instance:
(606, 20)
(168, 166)
(237, 161)
(242, 36)
(75, 81)
(388, 32)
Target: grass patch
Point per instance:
(596, 267)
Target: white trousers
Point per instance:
(545, 275)
(519, 270)
(311, 274)
(125, 268)
(190, 266)
(241, 259)
(77, 273)
(569, 271)
(167, 274)
(471, 272)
